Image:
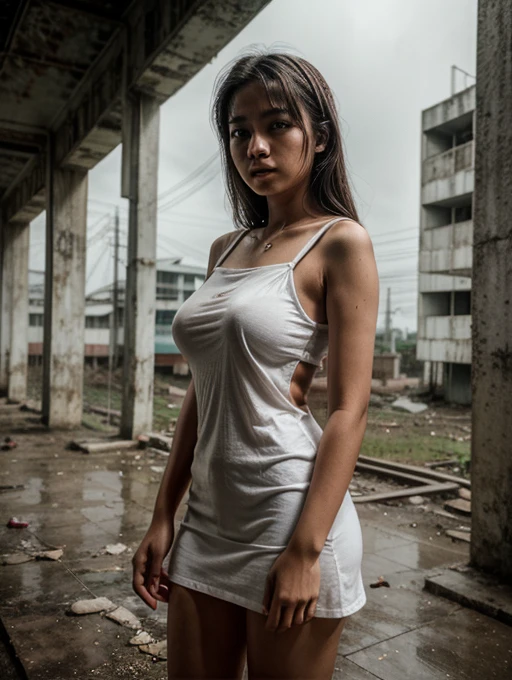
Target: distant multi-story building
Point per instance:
(175, 283)
(446, 245)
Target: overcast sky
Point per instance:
(385, 60)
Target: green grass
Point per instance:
(412, 448)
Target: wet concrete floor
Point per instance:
(83, 503)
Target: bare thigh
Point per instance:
(306, 652)
(206, 636)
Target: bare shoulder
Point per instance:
(219, 245)
(345, 239)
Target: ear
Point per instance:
(322, 138)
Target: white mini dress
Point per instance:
(243, 333)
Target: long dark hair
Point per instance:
(290, 81)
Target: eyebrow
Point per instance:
(266, 114)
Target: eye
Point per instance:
(237, 132)
(280, 125)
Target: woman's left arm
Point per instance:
(352, 300)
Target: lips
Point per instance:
(262, 171)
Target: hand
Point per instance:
(291, 591)
(150, 580)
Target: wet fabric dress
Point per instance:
(243, 333)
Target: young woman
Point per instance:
(266, 564)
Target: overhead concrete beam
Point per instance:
(160, 46)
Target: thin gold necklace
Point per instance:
(268, 244)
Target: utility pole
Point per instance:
(387, 330)
(115, 296)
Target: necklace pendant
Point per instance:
(268, 245)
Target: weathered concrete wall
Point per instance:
(64, 311)
(491, 538)
(140, 163)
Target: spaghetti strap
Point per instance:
(314, 239)
(233, 243)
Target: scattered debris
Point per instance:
(459, 505)
(459, 535)
(142, 639)
(443, 513)
(94, 606)
(416, 500)
(380, 583)
(53, 555)
(159, 441)
(405, 404)
(157, 649)
(17, 558)
(124, 617)
(157, 468)
(115, 548)
(465, 494)
(8, 444)
(403, 493)
(99, 446)
(15, 523)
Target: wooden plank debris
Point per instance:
(459, 505)
(404, 493)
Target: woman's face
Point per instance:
(266, 145)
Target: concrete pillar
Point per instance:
(14, 320)
(140, 170)
(5, 308)
(491, 309)
(64, 304)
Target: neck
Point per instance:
(289, 207)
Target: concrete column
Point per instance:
(140, 169)
(14, 324)
(5, 307)
(491, 309)
(64, 304)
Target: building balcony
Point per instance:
(448, 177)
(445, 338)
(447, 250)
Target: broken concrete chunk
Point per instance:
(50, 555)
(115, 548)
(416, 500)
(124, 617)
(158, 649)
(98, 604)
(141, 639)
(17, 558)
(405, 404)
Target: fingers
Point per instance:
(139, 581)
(153, 573)
(286, 614)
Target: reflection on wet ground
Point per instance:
(83, 503)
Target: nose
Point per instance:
(257, 147)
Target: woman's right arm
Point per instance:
(148, 560)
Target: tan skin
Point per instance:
(337, 283)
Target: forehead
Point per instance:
(253, 98)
